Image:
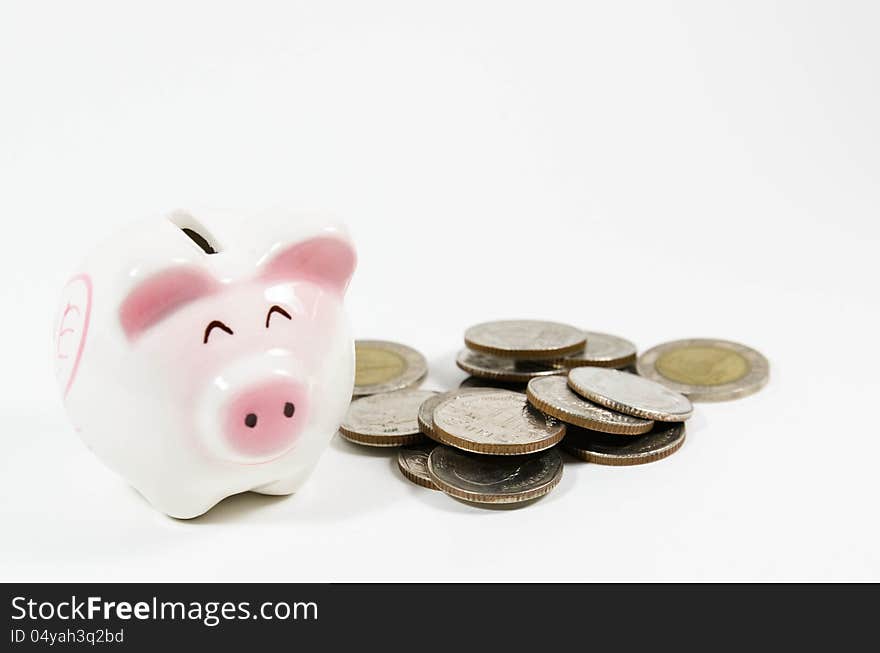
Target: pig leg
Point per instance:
(181, 506)
(283, 486)
(187, 510)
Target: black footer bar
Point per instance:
(453, 617)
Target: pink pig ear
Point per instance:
(328, 261)
(159, 296)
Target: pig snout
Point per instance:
(263, 419)
(255, 409)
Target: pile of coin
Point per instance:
(536, 387)
(516, 351)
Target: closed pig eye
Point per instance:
(280, 311)
(216, 324)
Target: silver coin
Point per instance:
(663, 440)
(503, 369)
(413, 464)
(552, 395)
(382, 366)
(494, 479)
(706, 369)
(525, 339)
(630, 394)
(494, 422)
(602, 350)
(426, 410)
(389, 419)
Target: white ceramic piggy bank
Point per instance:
(202, 356)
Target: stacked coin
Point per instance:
(496, 448)
(619, 418)
(385, 409)
(517, 351)
(537, 387)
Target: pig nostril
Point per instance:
(250, 420)
(288, 409)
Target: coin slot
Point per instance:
(195, 231)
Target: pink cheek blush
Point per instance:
(264, 420)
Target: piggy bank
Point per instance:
(205, 355)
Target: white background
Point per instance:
(656, 170)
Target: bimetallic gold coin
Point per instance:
(700, 365)
(525, 339)
(382, 366)
(705, 369)
(375, 366)
(412, 462)
(604, 449)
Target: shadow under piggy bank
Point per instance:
(321, 499)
